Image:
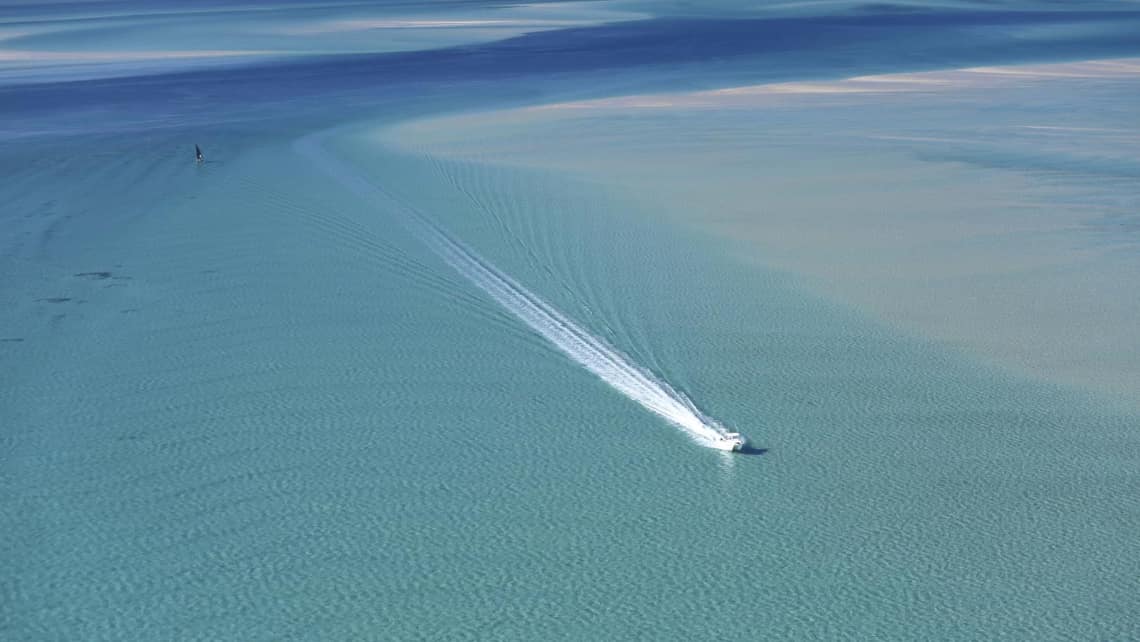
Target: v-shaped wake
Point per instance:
(589, 351)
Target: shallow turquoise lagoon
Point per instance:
(245, 400)
(281, 415)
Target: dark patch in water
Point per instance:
(12, 340)
(94, 276)
(45, 210)
(55, 299)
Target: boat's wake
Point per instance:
(591, 352)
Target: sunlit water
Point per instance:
(243, 400)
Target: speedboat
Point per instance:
(730, 441)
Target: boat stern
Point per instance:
(730, 442)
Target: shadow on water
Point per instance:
(728, 460)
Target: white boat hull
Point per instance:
(730, 442)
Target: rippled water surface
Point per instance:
(255, 399)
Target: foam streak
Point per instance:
(589, 351)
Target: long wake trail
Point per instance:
(589, 351)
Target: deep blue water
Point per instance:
(662, 53)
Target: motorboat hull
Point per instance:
(730, 442)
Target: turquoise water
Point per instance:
(242, 400)
(282, 415)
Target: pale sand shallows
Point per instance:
(521, 18)
(991, 208)
(936, 82)
(85, 57)
(119, 44)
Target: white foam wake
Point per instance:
(591, 352)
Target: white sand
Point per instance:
(993, 209)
